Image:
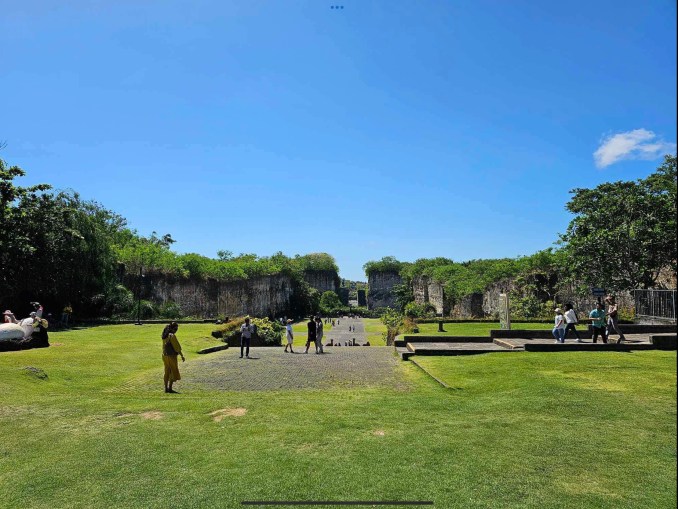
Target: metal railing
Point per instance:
(655, 303)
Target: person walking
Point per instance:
(246, 331)
(571, 321)
(170, 350)
(310, 326)
(319, 335)
(290, 336)
(612, 319)
(597, 317)
(559, 327)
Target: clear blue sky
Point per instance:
(404, 128)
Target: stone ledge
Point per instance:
(211, 349)
(417, 338)
(665, 341)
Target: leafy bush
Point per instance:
(143, 309)
(170, 310)
(269, 331)
(386, 264)
(414, 310)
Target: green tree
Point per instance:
(329, 302)
(623, 233)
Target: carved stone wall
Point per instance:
(259, 296)
(323, 280)
(427, 291)
(380, 294)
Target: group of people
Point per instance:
(316, 331)
(603, 322)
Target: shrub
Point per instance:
(169, 309)
(269, 332)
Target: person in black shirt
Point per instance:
(311, 333)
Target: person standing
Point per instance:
(612, 319)
(170, 350)
(310, 326)
(559, 327)
(319, 335)
(570, 322)
(246, 331)
(597, 317)
(290, 336)
(66, 314)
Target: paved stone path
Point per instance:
(341, 333)
(270, 368)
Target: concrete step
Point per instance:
(417, 338)
(403, 353)
(665, 341)
(454, 348)
(213, 349)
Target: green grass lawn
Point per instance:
(577, 429)
(374, 330)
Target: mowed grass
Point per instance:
(577, 429)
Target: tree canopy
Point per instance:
(623, 233)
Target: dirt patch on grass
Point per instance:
(218, 415)
(379, 433)
(153, 415)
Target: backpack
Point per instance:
(168, 349)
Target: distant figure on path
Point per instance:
(319, 336)
(559, 327)
(570, 321)
(310, 326)
(290, 336)
(612, 319)
(598, 323)
(246, 331)
(170, 350)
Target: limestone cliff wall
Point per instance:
(323, 280)
(260, 296)
(431, 292)
(380, 294)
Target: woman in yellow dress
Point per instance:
(170, 350)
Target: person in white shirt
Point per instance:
(570, 321)
(290, 336)
(246, 331)
(559, 327)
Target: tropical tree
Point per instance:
(623, 233)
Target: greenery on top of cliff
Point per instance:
(58, 248)
(386, 264)
(153, 254)
(622, 237)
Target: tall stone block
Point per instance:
(362, 298)
(343, 296)
(381, 289)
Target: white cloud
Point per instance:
(636, 144)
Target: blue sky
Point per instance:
(404, 128)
